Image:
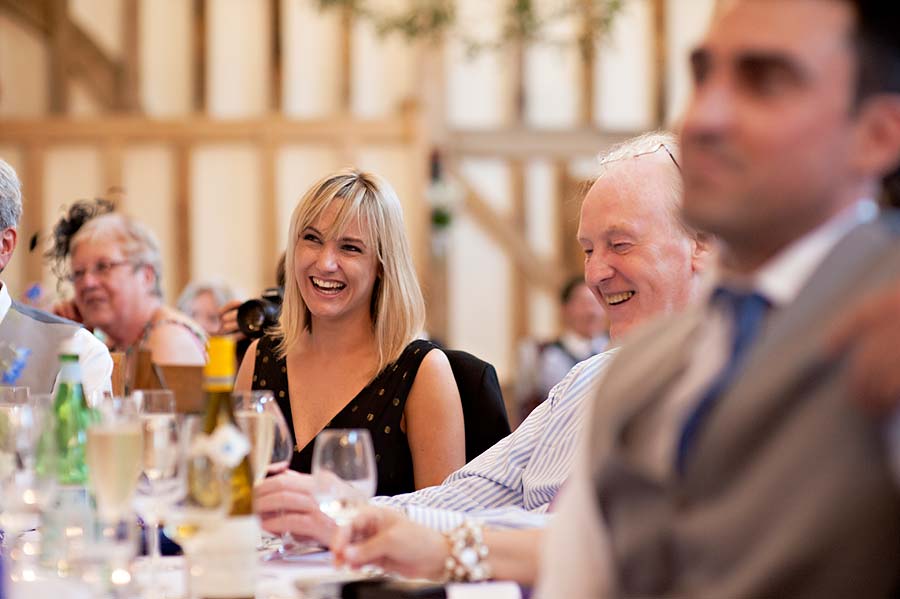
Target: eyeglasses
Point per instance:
(653, 151)
(101, 270)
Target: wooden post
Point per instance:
(276, 100)
(33, 211)
(57, 63)
(198, 56)
(183, 271)
(588, 62)
(660, 41)
(129, 80)
(269, 209)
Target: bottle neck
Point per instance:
(69, 369)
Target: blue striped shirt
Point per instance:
(511, 484)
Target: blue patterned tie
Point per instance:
(747, 311)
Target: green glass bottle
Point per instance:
(73, 416)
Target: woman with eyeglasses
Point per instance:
(114, 265)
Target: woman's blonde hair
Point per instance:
(138, 242)
(397, 308)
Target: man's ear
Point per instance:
(878, 136)
(702, 250)
(8, 239)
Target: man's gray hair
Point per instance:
(10, 196)
(656, 142)
(648, 143)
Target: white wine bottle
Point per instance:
(224, 562)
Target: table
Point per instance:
(277, 580)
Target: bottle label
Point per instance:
(226, 446)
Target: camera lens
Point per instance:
(251, 318)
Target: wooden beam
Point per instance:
(182, 216)
(397, 130)
(538, 271)
(32, 13)
(198, 56)
(519, 311)
(660, 51)
(521, 142)
(112, 166)
(92, 65)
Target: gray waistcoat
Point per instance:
(42, 333)
(787, 491)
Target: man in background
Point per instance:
(30, 338)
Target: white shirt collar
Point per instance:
(5, 301)
(783, 276)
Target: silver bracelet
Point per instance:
(467, 561)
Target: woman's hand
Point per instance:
(228, 318)
(68, 309)
(385, 538)
(285, 503)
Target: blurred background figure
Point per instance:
(203, 302)
(543, 364)
(113, 263)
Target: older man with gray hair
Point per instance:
(37, 331)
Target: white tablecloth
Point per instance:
(277, 580)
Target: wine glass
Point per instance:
(114, 456)
(161, 483)
(343, 469)
(272, 446)
(28, 468)
(154, 401)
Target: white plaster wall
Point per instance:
(71, 173)
(381, 69)
(552, 74)
(102, 21)
(148, 177)
(624, 72)
(542, 228)
(478, 87)
(225, 222)
(81, 101)
(298, 167)
(396, 165)
(479, 275)
(310, 61)
(237, 52)
(687, 21)
(23, 67)
(166, 41)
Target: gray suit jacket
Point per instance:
(787, 492)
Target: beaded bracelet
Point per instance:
(467, 561)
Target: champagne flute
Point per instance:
(161, 483)
(114, 455)
(343, 469)
(154, 401)
(272, 446)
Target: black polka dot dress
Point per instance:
(378, 407)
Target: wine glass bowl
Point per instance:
(344, 472)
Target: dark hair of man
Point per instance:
(569, 288)
(878, 59)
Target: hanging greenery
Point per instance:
(523, 21)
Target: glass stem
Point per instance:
(153, 549)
